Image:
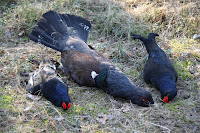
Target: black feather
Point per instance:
(101, 79)
(54, 19)
(79, 24)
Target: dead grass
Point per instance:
(92, 110)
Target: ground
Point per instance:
(93, 110)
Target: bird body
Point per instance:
(68, 34)
(79, 65)
(46, 81)
(158, 69)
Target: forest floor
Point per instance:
(93, 110)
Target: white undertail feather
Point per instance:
(93, 74)
(31, 80)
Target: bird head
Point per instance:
(152, 35)
(62, 90)
(144, 99)
(167, 96)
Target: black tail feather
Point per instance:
(43, 24)
(42, 37)
(79, 24)
(149, 43)
(54, 19)
(54, 29)
(134, 36)
(42, 34)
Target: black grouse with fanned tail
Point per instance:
(68, 34)
(46, 81)
(159, 70)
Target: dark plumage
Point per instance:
(46, 81)
(158, 70)
(68, 34)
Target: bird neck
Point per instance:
(166, 84)
(62, 89)
(100, 79)
(150, 45)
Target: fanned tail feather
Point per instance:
(134, 36)
(79, 24)
(54, 29)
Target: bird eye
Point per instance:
(144, 99)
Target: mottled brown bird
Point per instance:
(68, 34)
(46, 81)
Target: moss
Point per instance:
(175, 106)
(183, 118)
(90, 108)
(6, 100)
(182, 68)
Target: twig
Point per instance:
(159, 126)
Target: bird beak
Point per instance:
(155, 105)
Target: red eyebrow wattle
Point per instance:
(69, 105)
(166, 100)
(64, 105)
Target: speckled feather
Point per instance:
(46, 81)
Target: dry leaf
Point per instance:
(52, 123)
(102, 118)
(27, 108)
(59, 118)
(21, 33)
(126, 107)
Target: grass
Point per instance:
(92, 110)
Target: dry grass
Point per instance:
(93, 110)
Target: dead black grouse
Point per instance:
(159, 70)
(68, 34)
(46, 81)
